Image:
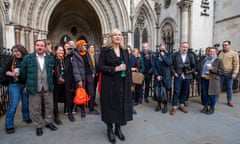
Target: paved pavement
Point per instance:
(148, 127)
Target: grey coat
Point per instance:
(214, 82)
(79, 66)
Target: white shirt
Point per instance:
(41, 60)
(184, 56)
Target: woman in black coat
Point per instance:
(115, 95)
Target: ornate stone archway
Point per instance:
(90, 19)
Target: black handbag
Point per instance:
(160, 93)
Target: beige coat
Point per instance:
(214, 82)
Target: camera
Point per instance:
(186, 69)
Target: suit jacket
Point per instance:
(178, 66)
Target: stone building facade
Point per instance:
(200, 22)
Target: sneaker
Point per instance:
(10, 130)
(83, 114)
(94, 112)
(74, 110)
(134, 111)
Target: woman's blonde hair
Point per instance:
(136, 50)
(109, 42)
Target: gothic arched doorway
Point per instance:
(75, 19)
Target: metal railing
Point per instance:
(5, 54)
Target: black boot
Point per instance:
(57, 120)
(164, 110)
(119, 133)
(70, 117)
(110, 134)
(158, 108)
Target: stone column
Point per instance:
(27, 31)
(18, 34)
(125, 38)
(185, 6)
(157, 8)
(35, 35)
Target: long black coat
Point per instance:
(110, 87)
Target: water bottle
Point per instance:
(123, 73)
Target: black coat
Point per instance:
(110, 87)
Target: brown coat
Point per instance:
(214, 82)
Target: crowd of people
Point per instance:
(47, 77)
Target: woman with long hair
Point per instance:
(16, 86)
(115, 95)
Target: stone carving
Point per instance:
(167, 3)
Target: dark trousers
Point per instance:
(147, 80)
(89, 83)
(138, 92)
(181, 88)
(58, 96)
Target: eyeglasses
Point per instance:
(225, 45)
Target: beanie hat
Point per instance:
(81, 43)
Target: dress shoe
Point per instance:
(158, 108)
(28, 121)
(146, 100)
(71, 118)
(183, 109)
(230, 103)
(140, 101)
(58, 121)
(204, 110)
(111, 136)
(51, 126)
(39, 132)
(210, 111)
(173, 111)
(164, 110)
(119, 133)
(10, 130)
(83, 114)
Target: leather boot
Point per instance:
(164, 110)
(119, 133)
(110, 134)
(158, 108)
(57, 120)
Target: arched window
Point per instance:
(136, 38)
(144, 36)
(167, 34)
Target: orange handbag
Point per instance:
(81, 97)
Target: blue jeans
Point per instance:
(228, 83)
(181, 88)
(16, 92)
(205, 85)
(208, 99)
